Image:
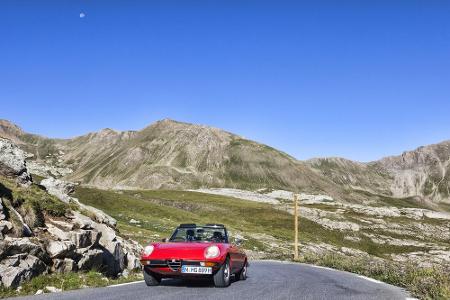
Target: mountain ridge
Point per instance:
(169, 154)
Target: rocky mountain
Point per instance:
(43, 229)
(170, 154)
(422, 173)
(176, 155)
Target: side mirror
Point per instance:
(165, 240)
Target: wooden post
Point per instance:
(296, 227)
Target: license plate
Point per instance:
(196, 270)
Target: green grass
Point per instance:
(383, 200)
(66, 282)
(159, 212)
(32, 202)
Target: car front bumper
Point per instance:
(172, 267)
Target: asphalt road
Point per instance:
(267, 280)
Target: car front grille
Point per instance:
(174, 264)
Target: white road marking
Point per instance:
(126, 283)
(370, 279)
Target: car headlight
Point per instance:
(148, 250)
(212, 252)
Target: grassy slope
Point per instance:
(160, 211)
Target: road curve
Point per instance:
(267, 280)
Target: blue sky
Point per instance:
(357, 79)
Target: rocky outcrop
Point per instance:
(12, 162)
(61, 189)
(20, 267)
(58, 188)
(46, 170)
(66, 243)
(76, 243)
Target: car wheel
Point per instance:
(242, 275)
(222, 277)
(151, 279)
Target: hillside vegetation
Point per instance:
(267, 231)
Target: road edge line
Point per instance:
(126, 283)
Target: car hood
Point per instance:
(181, 250)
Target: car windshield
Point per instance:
(200, 234)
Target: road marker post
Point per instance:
(295, 227)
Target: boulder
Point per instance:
(92, 259)
(18, 268)
(133, 261)
(58, 188)
(83, 238)
(12, 162)
(98, 214)
(58, 233)
(81, 220)
(62, 224)
(107, 233)
(12, 246)
(59, 249)
(114, 258)
(64, 265)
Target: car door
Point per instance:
(237, 258)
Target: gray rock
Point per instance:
(114, 257)
(61, 224)
(82, 238)
(12, 162)
(53, 289)
(61, 189)
(58, 233)
(107, 233)
(81, 220)
(19, 268)
(5, 226)
(59, 249)
(12, 246)
(64, 265)
(92, 259)
(58, 188)
(99, 215)
(133, 261)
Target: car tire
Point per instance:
(223, 275)
(242, 275)
(151, 279)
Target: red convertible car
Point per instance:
(195, 251)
